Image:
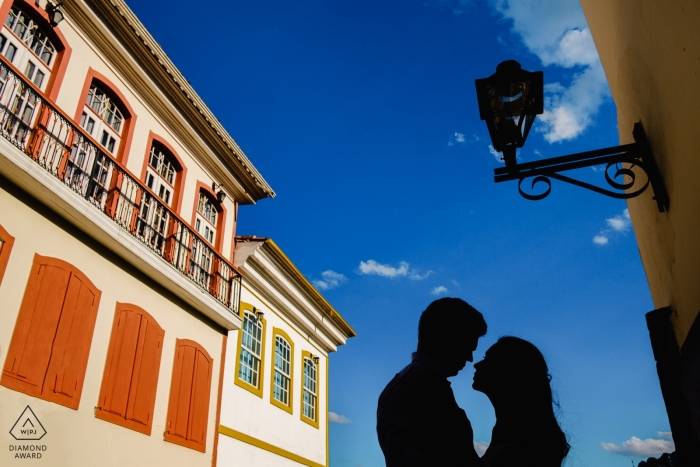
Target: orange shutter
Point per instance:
(6, 242)
(130, 380)
(51, 341)
(188, 408)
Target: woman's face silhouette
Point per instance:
(491, 373)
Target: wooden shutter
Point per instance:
(51, 341)
(128, 392)
(188, 408)
(6, 242)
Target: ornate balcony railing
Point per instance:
(54, 142)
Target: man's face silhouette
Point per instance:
(459, 352)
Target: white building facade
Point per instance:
(274, 409)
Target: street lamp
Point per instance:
(509, 101)
(55, 14)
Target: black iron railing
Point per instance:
(66, 151)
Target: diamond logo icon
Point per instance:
(28, 427)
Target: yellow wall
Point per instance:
(76, 437)
(650, 50)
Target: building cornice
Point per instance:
(270, 274)
(309, 288)
(135, 54)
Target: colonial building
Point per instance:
(119, 195)
(650, 51)
(274, 408)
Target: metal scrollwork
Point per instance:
(623, 165)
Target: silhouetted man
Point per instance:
(418, 420)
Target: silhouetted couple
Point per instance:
(419, 422)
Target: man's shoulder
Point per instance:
(412, 378)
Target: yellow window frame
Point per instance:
(257, 390)
(314, 423)
(287, 408)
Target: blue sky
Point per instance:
(362, 116)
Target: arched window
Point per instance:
(249, 367)
(102, 118)
(161, 173)
(281, 394)
(206, 217)
(309, 397)
(50, 345)
(24, 42)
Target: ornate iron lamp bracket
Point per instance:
(622, 159)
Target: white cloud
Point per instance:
(496, 154)
(336, 418)
(556, 31)
(620, 223)
(481, 447)
(635, 447)
(371, 267)
(331, 279)
(439, 290)
(615, 225)
(600, 240)
(384, 270)
(461, 138)
(665, 434)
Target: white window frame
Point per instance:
(206, 218)
(251, 350)
(161, 177)
(27, 41)
(309, 409)
(93, 120)
(282, 379)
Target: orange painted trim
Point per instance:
(113, 417)
(5, 249)
(181, 171)
(63, 50)
(218, 400)
(221, 209)
(114, 93)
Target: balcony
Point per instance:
(51, 140)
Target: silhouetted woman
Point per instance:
(514, 376)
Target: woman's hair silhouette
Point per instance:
(515, 377)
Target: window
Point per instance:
(188, 408)
(309, 399)
(205, 218)
(251, 351)
(6, 242)
(281, 393)
(28, 32)
(28, 47)
(128, 392)
(51, 341)
(154, 217)
(102, 119)
(160, 174)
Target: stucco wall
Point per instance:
(245, 412)
(76, 437)
(651, 54)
